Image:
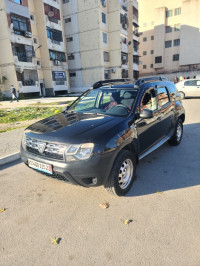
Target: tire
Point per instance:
(178, 133)
(123, 169)
(182, 95)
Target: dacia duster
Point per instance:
(101, 137)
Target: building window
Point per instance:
(71, 57)
(176, 57)
(105, 38)
(52, 13)
(103, 17)
(169, 13)
(177, 42)
(65, 1)
(69, 39)
(136, 59)
(144, 52)
(106, 56)
(144, 66)
(38, 62)
(55, 55)
(54, 35)
(177, 27)
(158, 59)
(32, 17)
(106, 74)
(67, 20)
(72, 74)
(35, 40)
(168, 29)
(144, 39)
(152, 51)
(168, 44)
(151, 66)
(103, 3)
(17, 1)
(177, 11)
(152, 37)
(124, 58)
(20, 24)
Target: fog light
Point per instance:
(94, 180)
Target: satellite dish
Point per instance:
(50, 14)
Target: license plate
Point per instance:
(40, 166)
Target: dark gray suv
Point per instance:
(101, 137)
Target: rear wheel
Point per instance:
(182, 95)
(178, 133)
(122, 174)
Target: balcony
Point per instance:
(53, 24)
(60, 85)
(22, 63)
(55, 45)
(20, 39)
(54, 3)
(29, 88)
(124, 48)
(135, 67)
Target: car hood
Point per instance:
(70, 127)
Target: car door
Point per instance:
(195, 90)
(189, 87)
(147, 128)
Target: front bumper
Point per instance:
(88, 173)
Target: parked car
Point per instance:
(189, 88)
(101, 137)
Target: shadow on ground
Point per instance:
(170, 167)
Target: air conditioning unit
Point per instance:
(56, 62)
(113, 70)
(28, 34)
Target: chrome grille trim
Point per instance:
(51, 150)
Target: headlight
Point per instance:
(80, 152)
(24, 142)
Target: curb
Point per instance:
(9, 159)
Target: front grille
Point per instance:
(50, 150)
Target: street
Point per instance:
(163, 207)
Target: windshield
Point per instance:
(108, 101)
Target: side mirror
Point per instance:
(146, 113)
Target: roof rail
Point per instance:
(149, 79)
(100, 83)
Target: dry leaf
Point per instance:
(127, 221)
(104, 205)
(2, 210)
(54, 241)
(159, 192)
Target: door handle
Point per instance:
(159, 118)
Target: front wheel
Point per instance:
(178, 133)
(122, 174)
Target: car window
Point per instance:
(149, 101)
(190, 83)
(105, 100)
(162, 96)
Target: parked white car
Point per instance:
(189, 88)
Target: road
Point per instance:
(163, 205)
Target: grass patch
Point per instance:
(27, 113)
(54, 103)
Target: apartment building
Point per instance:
(102, 40)
(169, 37)
(32, 47)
